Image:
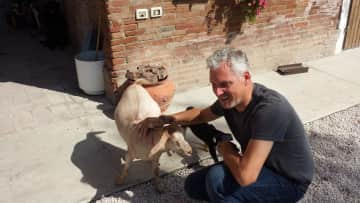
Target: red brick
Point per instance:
(118, 61)
(316, 17)
(118, 3)
(133, 47)
(169, 16)
(169, 9)
(114, 27)
(114, 10)
(118, 48)
(181, 26)
(130, 39)
(196, 30)
(129, 27)
(162, 41)
(286, 12)
(291, 15)
(134, 32)
(130, 33)
(118, 54)
(128, 21)
(277, 7)
(140, 31)
(118, 70)
(301, 25)
(125, 40)
(117, 42)
(291, 5)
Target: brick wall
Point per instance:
(286, 31)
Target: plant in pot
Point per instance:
(160, 87)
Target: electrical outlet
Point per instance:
(142, 13)
(156, 12)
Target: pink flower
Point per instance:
(262, 3)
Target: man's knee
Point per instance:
(194, 187)
(199, 185)
(188, 186)
(215, 179)
(216, 174)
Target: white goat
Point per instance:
(135, 105)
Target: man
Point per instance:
(276, 163)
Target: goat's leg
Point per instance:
(124, 172)
(156, 172)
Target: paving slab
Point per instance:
(342, 66)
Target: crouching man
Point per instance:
(276, 163)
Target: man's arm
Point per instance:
(194, 116)
(246, 168)
(188, 117)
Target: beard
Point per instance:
(228, 102)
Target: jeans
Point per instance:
(216, 184)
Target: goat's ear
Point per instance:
(160, 146)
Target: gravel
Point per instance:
(335, 143)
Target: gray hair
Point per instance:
(237, 59)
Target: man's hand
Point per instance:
(154, 122)
(148, 123)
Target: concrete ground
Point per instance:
(60, 145)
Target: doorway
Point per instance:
(352, 37)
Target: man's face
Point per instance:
(227, 86)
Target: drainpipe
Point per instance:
(342, 25)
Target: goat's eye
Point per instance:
(177, 143)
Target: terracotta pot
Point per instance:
(162, 93)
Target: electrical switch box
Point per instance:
(142, 13)
(156, 12)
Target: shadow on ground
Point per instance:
(25, 61)
(99, 163)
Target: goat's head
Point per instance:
(172, 139)
(177, 142)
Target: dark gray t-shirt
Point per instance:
(269, 116)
